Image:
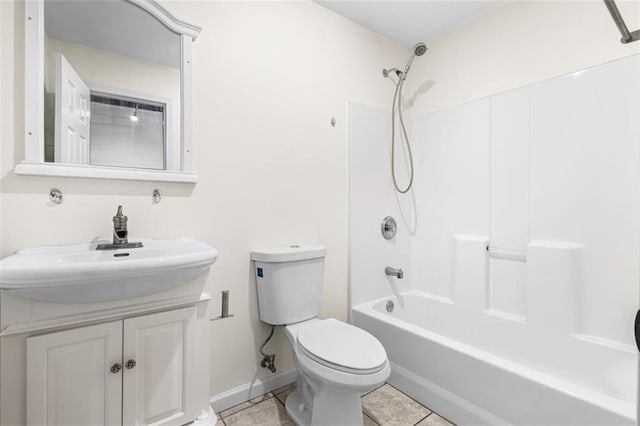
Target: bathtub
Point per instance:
(474, 368)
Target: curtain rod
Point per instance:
(627, 37)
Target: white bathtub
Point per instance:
(479, 369)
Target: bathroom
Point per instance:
(291, 140)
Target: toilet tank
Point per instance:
(289, 282)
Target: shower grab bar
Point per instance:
(627, 37)
(507, 254)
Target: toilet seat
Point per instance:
(341, 346)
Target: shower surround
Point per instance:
(520, 245)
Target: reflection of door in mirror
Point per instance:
(71, 115)
(147, 143)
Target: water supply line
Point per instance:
(268, 360)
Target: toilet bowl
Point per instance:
(335, 362)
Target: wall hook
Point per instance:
(156, 196)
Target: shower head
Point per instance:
(419, 49)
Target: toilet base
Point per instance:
(330, 408)
(324, 395)
(296, 409)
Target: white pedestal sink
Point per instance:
(80, 273)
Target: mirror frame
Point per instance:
(34, 163)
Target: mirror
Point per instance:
(114, 89)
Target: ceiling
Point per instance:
(407, 22)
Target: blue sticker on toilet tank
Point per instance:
(260, 272)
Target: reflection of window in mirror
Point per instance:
(127, 132)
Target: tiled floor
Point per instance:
(385, 406)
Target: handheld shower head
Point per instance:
(419, 49)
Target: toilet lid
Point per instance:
(342, 346)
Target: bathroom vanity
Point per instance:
(113, 336)
(137, 360)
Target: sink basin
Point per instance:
(80, 273)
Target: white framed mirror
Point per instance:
(107, 91)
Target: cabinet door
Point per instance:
(69, 377)
(159, 368)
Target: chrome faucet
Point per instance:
(120, 234)
(393, 272)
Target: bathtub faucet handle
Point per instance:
(393, 272)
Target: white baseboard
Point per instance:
(250, 390)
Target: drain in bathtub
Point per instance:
(390, 306)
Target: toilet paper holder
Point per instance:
(224, 308)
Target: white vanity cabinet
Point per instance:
(126, 346)
(158, 386)
(136, 371)
(68, 377)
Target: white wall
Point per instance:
(268, 77)
(514, 44)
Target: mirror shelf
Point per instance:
(103, 172)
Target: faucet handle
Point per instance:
(119, 219)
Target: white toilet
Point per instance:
(336, 362)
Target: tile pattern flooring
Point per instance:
(384, 406)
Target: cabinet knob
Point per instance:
(115, 368)
(130, 364)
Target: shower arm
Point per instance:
(627, 37)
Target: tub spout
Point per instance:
(393, 272)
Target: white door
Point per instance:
(159, 368)
(70, 379)
(72, 115)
